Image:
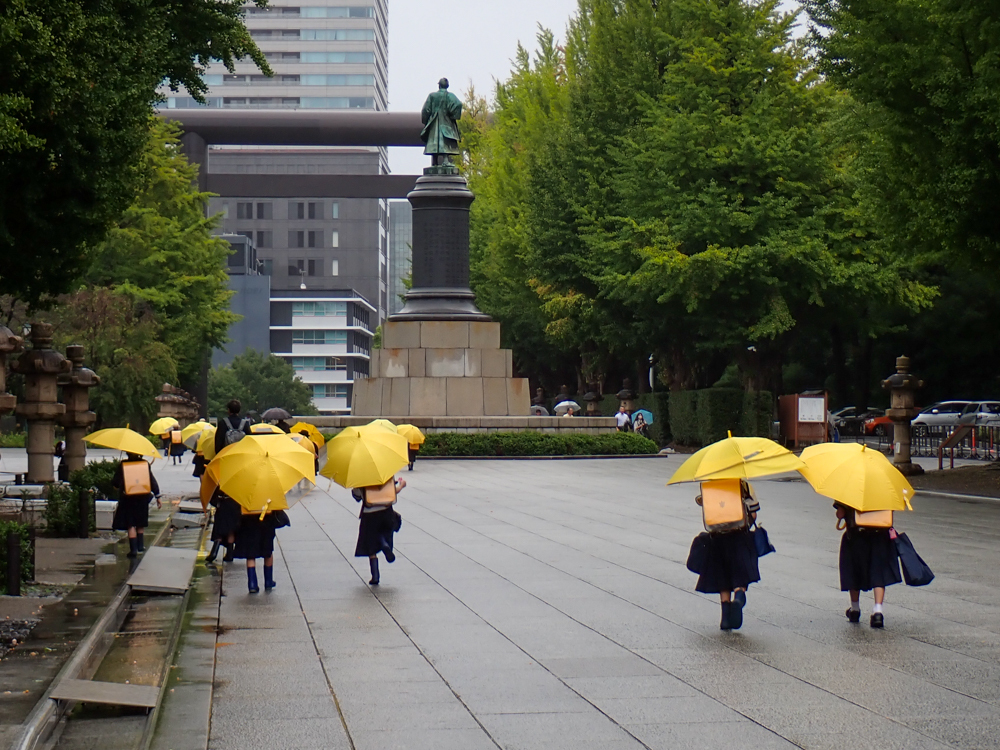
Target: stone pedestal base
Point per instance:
(441, 369)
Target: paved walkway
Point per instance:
(546, 605)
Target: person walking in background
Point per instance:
(378, 523)
(177, 447)
(136, 486)
(640, 427)
(868, 559)
(62, 470)
(232, 427)
(165, 440)
(255, 539)
(623, 419)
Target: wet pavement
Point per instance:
(545, 604)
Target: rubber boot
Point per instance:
(133, 547)
(230, 551)
(736, 610)
(215, 551)
(252, 581)
(139, 542)
(726, 610)
(269, 577)
(373, 561)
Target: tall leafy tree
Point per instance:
(78, 85)
(260, 382)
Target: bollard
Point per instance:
(13, 563)
(83, 505)
(31, 547)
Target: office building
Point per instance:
(250, 300)
(400, 251)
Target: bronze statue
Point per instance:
(440, 117)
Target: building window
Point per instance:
(319, 309)
(315, 210)
(337, 80)
(335, 211)
(318, 364)
(265, 239)
(296, 210)
(335, 12)
(338, 35)
(319, 338)
(296, 267)
(296, 239)
(315, 267)
(268, 267)
(316, 237)
(225, 211)
(335, 237)
(335, 268)
(244, 210)
(360, 58)
(264, 211)
(329, 391)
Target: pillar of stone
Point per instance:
(903, 386)
(41, 367)
(78, 418)
(626, 396)
(179, 404)
(9, 344)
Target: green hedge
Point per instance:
(62, 509)
(12, 439)
(536, 444)
(705, 416)
(27, 574)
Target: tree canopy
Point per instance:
(260, 382)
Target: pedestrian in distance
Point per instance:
(379, 521)
(412, 449)
(868, 559)
(62, 470)
(282, 425)
(640, 427)
(623, 419)
(136, 486)
(728, 563)
(177, 447)
(227, 519)
(232, 427)
(165, 441)
(255, 539)
(199, 463)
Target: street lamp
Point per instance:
(302, 275)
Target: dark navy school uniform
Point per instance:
(255, 537)
(132, 510)
(378, 524)
(868, 557)
(730, 559)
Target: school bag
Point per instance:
(137, 479)
(722, 506)
(175, 437)
(873, 519)
(381, 496)
(235, 434)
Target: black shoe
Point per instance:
(390, 556)
(230, 550)
(726, 610)
(854, 615)
(214, 553)
(877, 620)
(736, 610)
(373, 562)
(252, 585)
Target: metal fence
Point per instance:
(981, 443)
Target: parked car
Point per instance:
(981, 413)
(879, 425)
(941, 417)
(850, 420)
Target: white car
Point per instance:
(981, 413)
(939, 418)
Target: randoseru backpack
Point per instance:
(235, 434)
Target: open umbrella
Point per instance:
(646, 414)
(857, 477)
(123, 439)
(305, 442)
(258, 470)
(412, 434)
(206, 443)
(266, 429)
(191, 433)
(163, 425)
(315, 435)
(365, 457)
(737, 458)
(275, 413)
(539, 411)
(383, 424)
(564, 406)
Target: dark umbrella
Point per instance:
(274, 414)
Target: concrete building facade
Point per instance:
(250, 300)
(400, 251)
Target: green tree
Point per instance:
(259, 382)
(78, 86)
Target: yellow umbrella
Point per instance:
(163, 425)
(207, 489)
(856, 477)
(383, 424)
(266, 429)
(190, 434)
(737, 458)
(206, 443)
(258, 470)
(412, 434)
(315, 435)
(123, 439)
(365, 456)
(305, 442)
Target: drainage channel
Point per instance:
(129, 652)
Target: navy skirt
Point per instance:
(255, 538)
(730, 563)
(228, 514)
(132, 511)
(868, 560)
(375, 532)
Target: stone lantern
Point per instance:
(41, 366)
(626, 396)
(9, 344)
(593, 399)
(903, 386)
(173, 402)
(78, 417)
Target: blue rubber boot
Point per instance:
(726, 610)
(736, 612)
(269, 578)
(252, 581)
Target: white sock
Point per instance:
(856, 606)
(877, 609)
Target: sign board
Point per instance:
(812, 409)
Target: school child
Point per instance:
(136, 486)
(412, 449)
(729, 563)
(868, 559)
(177, 447)
(228, 516)
(378, 523)
(254, 539)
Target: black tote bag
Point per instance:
(696, 557)
(761, 541)
(915, 570)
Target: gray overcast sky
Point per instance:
(479, 40)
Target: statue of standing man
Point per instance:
(440, 117)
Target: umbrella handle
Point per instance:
(841, 521)
(264, 512)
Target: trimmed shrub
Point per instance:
(62, 509)
(705, 416)
(684, 417)
(536, 444)
(27, 573)
(758, 414)
(12, 439)
(720, 411)
(97, 474)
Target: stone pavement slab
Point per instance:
(547, 605)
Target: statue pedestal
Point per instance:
(435, 368)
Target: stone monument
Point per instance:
(41, 366)
(179, 404)
(902, 386)
(9, 344)
(440, 354)
(78, 418)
